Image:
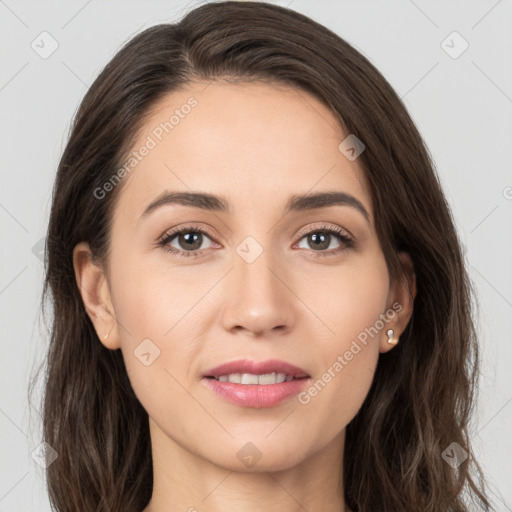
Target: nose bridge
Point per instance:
(260, 300)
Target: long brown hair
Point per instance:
(422, 396)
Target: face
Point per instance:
(257, 279)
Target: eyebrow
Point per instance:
(295, 203)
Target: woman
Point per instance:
(259, 297)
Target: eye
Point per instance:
(189, 240)
(322, 237)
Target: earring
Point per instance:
(391, 339)
(108, 334)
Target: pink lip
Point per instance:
(256, 395)
(257, 368)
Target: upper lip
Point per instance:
(257, 368)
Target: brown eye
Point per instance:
(321, 239)
(190, 240)
(185, 242)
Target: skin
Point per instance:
(255, 144)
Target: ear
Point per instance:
(401, 301)
(93, 286)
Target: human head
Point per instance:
(243, 43)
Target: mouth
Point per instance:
(264, 379)
(246, 371)
(256, 384)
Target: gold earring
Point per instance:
(391, 339)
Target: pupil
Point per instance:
(191, 239)
(321, 241)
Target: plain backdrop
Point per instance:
(460, 98)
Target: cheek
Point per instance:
(157, 309)
(362, 298)
(345, 299)
(152, 298)
(351, 306)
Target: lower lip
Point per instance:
(256, 395)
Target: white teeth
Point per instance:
(249, 378)
(271, 378)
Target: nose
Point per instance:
(260, 301)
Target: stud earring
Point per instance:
(391, 339)
(108, 334)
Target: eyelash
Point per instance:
(348, 241)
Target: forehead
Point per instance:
(254, 143)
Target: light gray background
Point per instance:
(462, 106)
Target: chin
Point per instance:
(259, 456)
